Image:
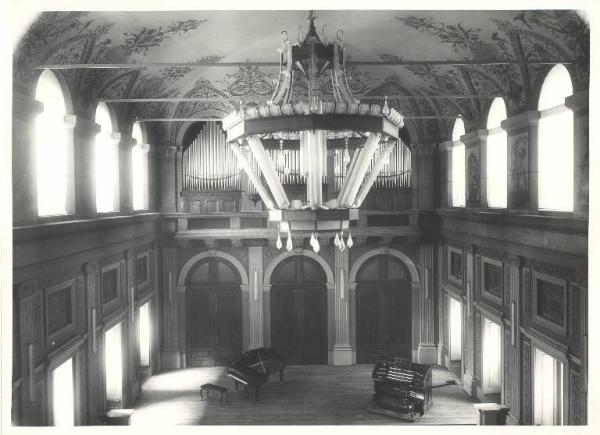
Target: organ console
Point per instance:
(401, 388)
(254, 369)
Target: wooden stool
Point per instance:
(223, 393)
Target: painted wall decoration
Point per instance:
(519, 163)
(473, 178)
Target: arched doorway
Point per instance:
(299, 311)
(383, 310)
(213, 314)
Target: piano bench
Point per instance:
(223, 393)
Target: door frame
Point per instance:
(416, 295)
(330, 284)
(179, 292)
(216, 288)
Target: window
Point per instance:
(113, 366)
(555, 142)
(54, 156)
(496, 163)
(107, 163)
(139, 169)
(144, 325)
(491, 348)
(63, 395)
(548, 389)
(458, 165)
(455, 318)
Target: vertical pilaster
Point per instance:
(255, 297)
(342, 351)
(513, 346)
(427, 351)
(132, 345)
(170, 352)
(522, 162)
(470, 380)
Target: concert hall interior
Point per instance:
(300, 217)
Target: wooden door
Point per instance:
(213, 317)
(383, 311)
(299, 312)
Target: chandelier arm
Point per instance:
(370, 179)
(360, 169)
(268, 169)
(247, 167)
(346, 179)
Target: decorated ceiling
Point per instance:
(254, 36)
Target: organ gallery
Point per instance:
(300, 217)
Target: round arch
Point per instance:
(414, 273)
(187, 267)
(59, 79)
(299, 251)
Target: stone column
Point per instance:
(168, 178)
(342, 351)
(24, 182)
(475, 170)
(445, 167)
(255, 297)
(125, 146)
(425, 174)
(171, 357)
(132, 369)
(579, 104)
(84, 157)
(522, 160)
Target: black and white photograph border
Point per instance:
(251, 214)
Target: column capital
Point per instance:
(445, 146)
(521, 121)
(579, 101)
(170, 152)
(474, 137)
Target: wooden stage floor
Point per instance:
(317, 394)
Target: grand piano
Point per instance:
(254, 369)
(401, 387)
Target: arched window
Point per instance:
(555, 142)
(54, 167)
(496, 167)
(458, 165)
(139, 169)
(107, 163)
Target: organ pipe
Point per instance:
(208, 163)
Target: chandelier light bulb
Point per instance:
(317, 246)
(312, 240)
(350, 242)
(278, 243)
(342, 243)
(336, 241)
(288, 244)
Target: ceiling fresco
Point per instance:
(251, 36)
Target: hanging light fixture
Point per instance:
(315, 124)
(278, 244)
(288, 244)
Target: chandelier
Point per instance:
(311, 119)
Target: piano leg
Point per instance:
(256, 392)
(280, 375)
